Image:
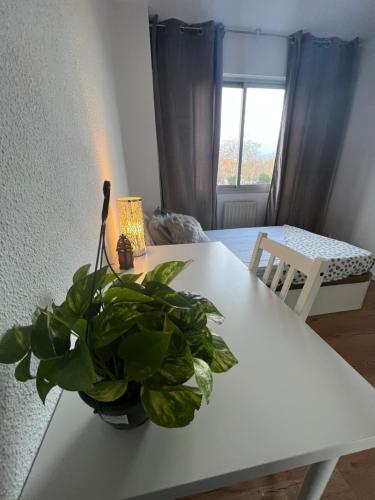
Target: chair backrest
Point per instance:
(314, 269)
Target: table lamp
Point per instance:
(131, 222)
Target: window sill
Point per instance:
(255, 188)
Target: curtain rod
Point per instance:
(255, 32)
(232, 29)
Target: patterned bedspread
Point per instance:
(345, 259)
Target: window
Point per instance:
(250, 127)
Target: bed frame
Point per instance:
(336, 296)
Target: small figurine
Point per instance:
(125, 253)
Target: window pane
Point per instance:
(261, 134)
(229, 136)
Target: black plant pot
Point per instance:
(124, 413)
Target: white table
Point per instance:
(291, 401)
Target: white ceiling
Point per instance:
(345, 18)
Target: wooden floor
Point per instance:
(352, 335)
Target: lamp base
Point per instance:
(139, 253)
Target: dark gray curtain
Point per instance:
(187, 70)
(319, 83)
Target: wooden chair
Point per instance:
(314, 269)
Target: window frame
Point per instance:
(244, 84)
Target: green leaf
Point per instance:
(43, 339)
(223, 359)
(36, 315)
(111, 323)
(166, 272)
(22, 371)
(107, 352)
(130, 285)
(211, 311)
(153, 320)
(76, 370)
(117, 294)
(60, 335)
(177, 366)
(45, 373)
(15, 343)
(92, 310)
(204, 306)
(144, 352)
(108, 390)
(191, 319)
(203, 377)
(43, 387)
(72, 321)
(200, 343)
(126, 279)
(81, 273)
(64, 314)
(110, 278)
(79, 328)
(79, 294)
(171, 406)
(166, 295)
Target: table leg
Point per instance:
(316, 479)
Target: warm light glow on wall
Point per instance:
(104, 162)
(131, 223)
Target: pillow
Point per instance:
(167, 228)
(184, 229)
(148, 239)
(158, 231)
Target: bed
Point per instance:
(348, 277)
(345, 284)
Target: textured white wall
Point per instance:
(59, 138)
(133, 77)
(352, 206)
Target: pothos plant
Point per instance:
(112, 330)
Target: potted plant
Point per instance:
(128, 344)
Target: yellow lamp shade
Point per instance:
(131, 222)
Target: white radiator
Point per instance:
(239, 214)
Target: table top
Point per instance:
(290, 401)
